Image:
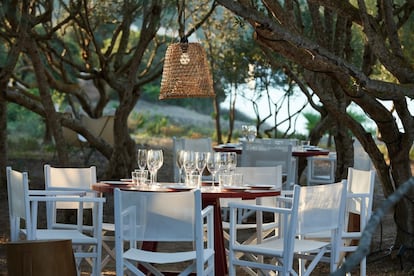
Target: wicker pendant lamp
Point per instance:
(186, 72)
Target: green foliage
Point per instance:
(23, 123)
(312, 120)
(156, 124)
(23, 144)
(136, 120)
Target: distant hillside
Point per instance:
(180, 115)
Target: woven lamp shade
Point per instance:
(186, 72)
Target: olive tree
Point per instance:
(350, 51)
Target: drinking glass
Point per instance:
(200, 158)
(142, 158)
(179, 161)
(155, 160)
(213, 163)
(251, 133)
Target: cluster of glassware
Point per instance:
(249, 132)
(152, 160)
(192, 164)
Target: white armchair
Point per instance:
(23, 206)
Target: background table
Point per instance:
(300, 154)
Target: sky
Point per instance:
(246, 107)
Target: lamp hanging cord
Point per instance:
(181, 21)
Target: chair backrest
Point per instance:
(67, 179)
(157, 216)
(194, 144)
(261, 175)
(259, 154)
(360, 182)
(278, 141)
(18, 199)
(321, 208)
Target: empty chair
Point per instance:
(321, 169)
(360, 192)
(316, 208)
(261, 177)
(360, 199)
(23, 209)
(193, 144)
(78, 179)
(259, 154)
(162, 217)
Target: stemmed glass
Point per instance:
(142, 158)
(155, 160)
(244, 131)
(223, 161)
(189, 162)
(231, 161)
(200, 158)
(251, 133)
(213, 162)
(179, 161)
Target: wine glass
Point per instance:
(244, 131)
(154, 162)
(200, 158)
(223, 161)
(189, 162)
(142, 158)
(251, 133)
(179, 161)
(213, 162)
(231, 161)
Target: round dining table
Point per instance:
(210, 196)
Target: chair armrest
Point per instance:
(57, 193)
(67, 189)
(262, 208)
(97, 217)
(207, 211)
(53, 197)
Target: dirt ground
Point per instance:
(383, 259)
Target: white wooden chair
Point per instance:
(320, 208)
(23, 206)
(261, 177)
(360, 197)
(76, 179)
(162, 217)
(283, 240)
